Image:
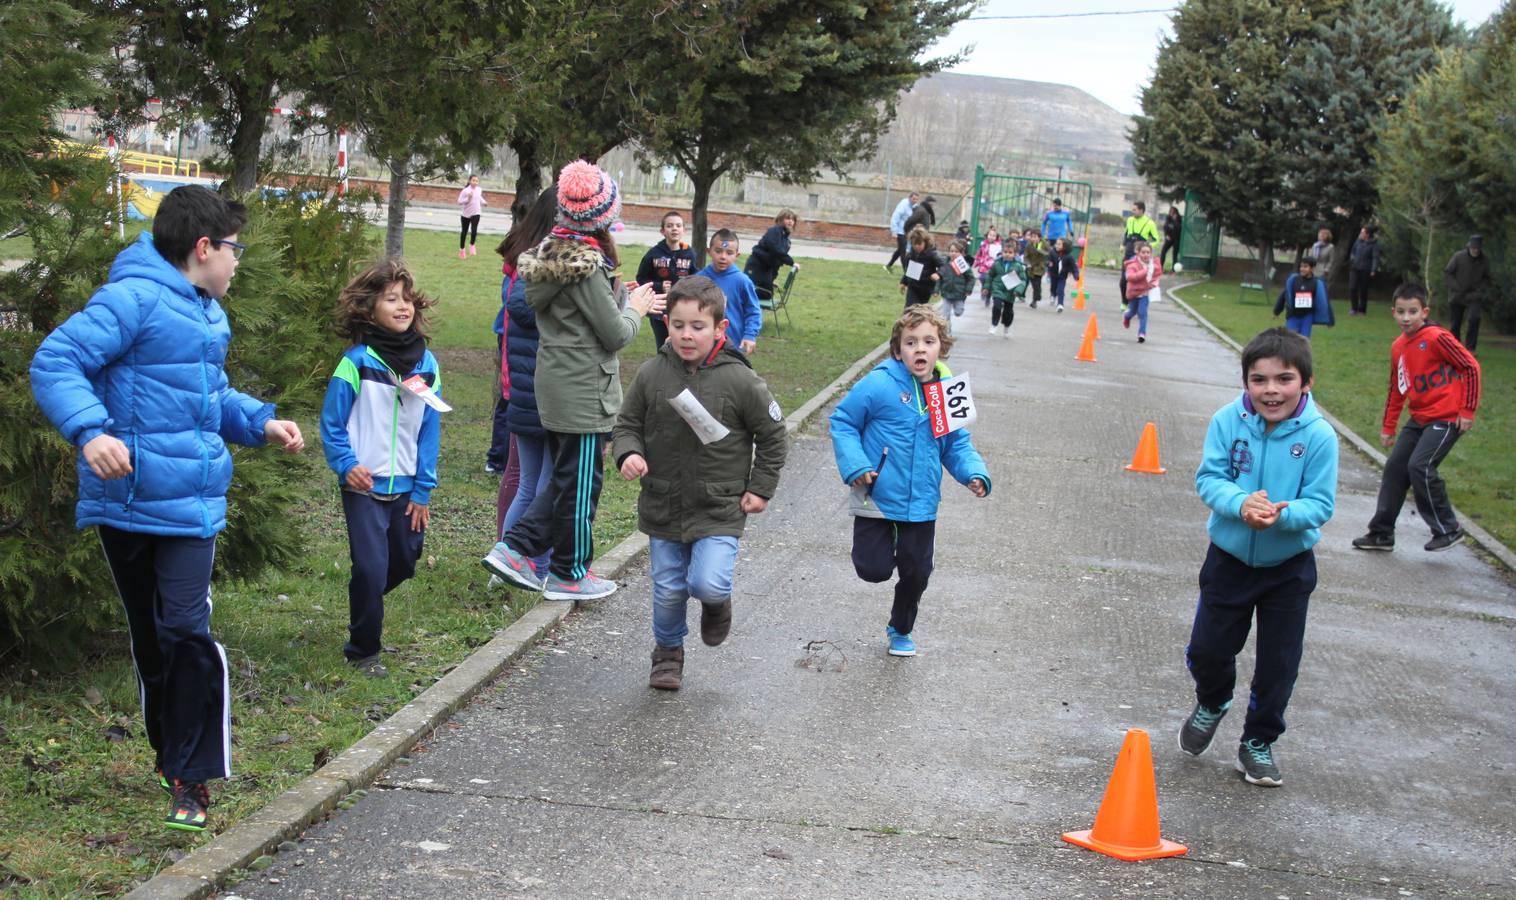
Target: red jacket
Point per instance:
(1137, 282)
(1439, 377)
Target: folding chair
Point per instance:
(777, 304)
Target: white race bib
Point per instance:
(1303, 299)
(950, 404)
(1011, 281)
(913, 271)
(699, 418)
(417, 386)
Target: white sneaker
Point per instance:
(1060, 307)
(993, 328)
(1007, 332)
(590, 587)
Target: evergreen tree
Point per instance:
(1444, 164)
(1354, 71)
(783, 87)
(1221, 118)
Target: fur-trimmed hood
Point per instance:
(560, 261)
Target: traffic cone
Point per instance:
(1086, 347)
(1126, 826)
(1093, 327)
(1146, 458)
(1079, 298)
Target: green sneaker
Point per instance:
(163, 782)
(187, 812)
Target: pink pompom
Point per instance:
(1081, 242)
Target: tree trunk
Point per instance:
(702, 181)
(529, 183)
(394, 229)
(247, 140)
(1426, 258)
(1266, 264)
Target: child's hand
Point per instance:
(866, 479)
(902, 289)
(641, 299)
(1259, 513)
(977, 486)
(360, 478)
(1464, 424)
(936, 277)
(748, 347)
(633, 467)
(285, 434)
(1387, 439)
(107, 457)
(420, 514)
(752, 504)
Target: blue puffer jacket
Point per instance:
(886, 409)
(143, 361)
(1296, 462)
(521, 341)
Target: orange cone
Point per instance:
(1126, 826)
(1093, 327)
(1146, 458)
(1079, 299)
(1087, 347)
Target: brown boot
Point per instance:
(715, 622)
(668, 668)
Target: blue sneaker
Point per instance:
(512, 567)
(900, 644)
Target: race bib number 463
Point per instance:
(950, 404)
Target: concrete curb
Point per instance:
(1484, 539)
(201, 873)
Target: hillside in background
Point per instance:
(950, 122)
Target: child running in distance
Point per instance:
(470, 202)
(882, 439)
(956, 285)
(1143, 272)
(743, 314)
(663, 265)
(1005, 284)
(922, 268)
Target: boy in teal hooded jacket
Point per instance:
(1269, 474)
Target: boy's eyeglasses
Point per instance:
(237, 249)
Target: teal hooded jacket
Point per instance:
(1296, 462)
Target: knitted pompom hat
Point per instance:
(588, 200)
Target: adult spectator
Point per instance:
(1325, 255)
(897, 228)
(771, 252)
(1173, 227)
(1139, 229)
(1057, 223)
(923, 216)
(1363, 257)
(1468, 281)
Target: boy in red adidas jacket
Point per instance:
(1440, 378)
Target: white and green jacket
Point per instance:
(368, 419)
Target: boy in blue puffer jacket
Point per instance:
(1269, 474)
(136, 381)
(882, 438)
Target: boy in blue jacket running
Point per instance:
(136, 381)
(1269, 474)
(380, 430)
(882, 438)
(743, 315)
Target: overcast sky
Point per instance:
(1109, 56)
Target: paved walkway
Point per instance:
(1056, 619)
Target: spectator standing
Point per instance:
(771, 252)
(1139, 229)
(1173, 227)
(1363, 256)
(1057, 223)
(897, 228)
(1325, 254)
(1468, 281)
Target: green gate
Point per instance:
(1199, 239)
(1018, 201)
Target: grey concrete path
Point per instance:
(496, 222)
(1056, 619)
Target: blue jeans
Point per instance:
(702, 569)
(1138, 306)
(1301, 325)
(536, 472)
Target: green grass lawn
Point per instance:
(1352, 362)
(79, 809)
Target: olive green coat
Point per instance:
(694, 490)
(583, 321)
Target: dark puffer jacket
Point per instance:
(763, 263)
(521, 355)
